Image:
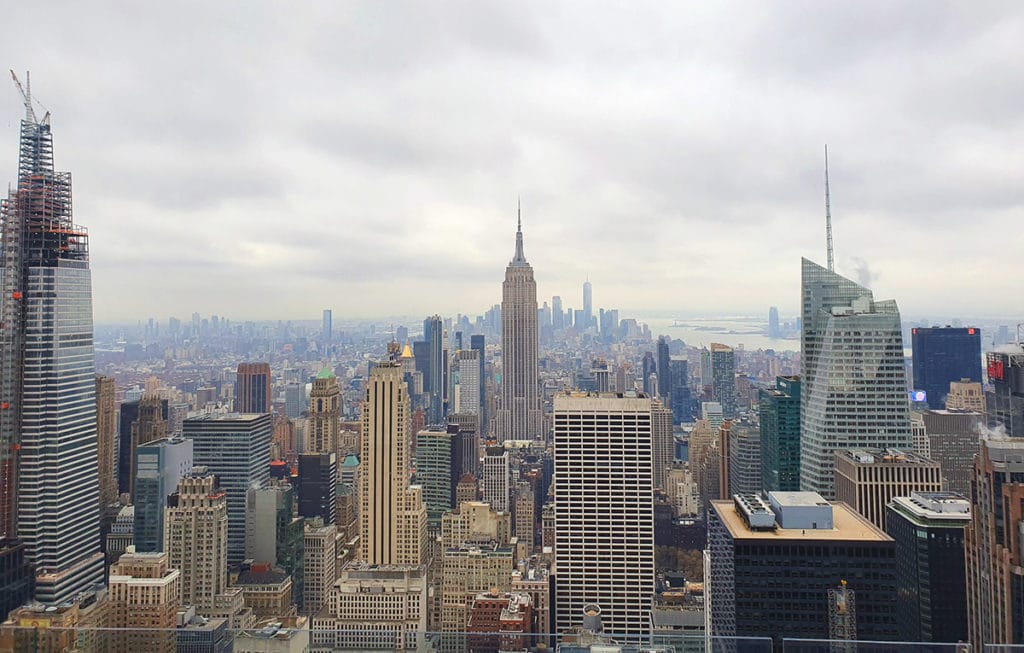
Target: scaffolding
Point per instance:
(842, 613)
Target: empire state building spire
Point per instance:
(519, 416)
(519, 259)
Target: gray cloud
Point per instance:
(250, 160)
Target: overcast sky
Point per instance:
(268, 160)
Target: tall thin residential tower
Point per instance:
(49, 481)
(520, 416)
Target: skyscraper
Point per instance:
(327, 327)
(520, 416)
(429, 361)
(252, 388)
(588, 304)
(1004, 404)
(196, 538)
(773, 322)
(780, 435)
(681, 399)
(931, 597)
(237, 449)
(159, 466)
(324, 414)
(995, 566)
(723, 378)
(496, 477)
(393, 518)
(106, 437)
(49, 488)
(854, 393)
(557, 314)
(943, 355)
(663, 444)
(664, 368)
(438, 470)
(604, 546)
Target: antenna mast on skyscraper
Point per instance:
(828, 217)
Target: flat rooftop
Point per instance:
(848, 527)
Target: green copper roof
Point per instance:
(325, 373)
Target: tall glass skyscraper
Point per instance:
(48, 445)
(854, 392)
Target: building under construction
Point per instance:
(48, 469)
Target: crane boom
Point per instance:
(26, 95)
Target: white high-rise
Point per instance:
(854, 393)
(520, 416)
(604, 515)
(495, 482)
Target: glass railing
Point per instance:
(37, 636)
(791, 645)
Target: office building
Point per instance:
(294, 400)
(317, 486)
(953, 438)
(149, 424)
(995, 568)
(374, 607)
(475, 521)
(438, 470)
(500, 621)
(664, 368)
(744, 457)
(649, 369)
(143, 593)
(588, 304)
(524, 505)
(236, 448)
(106, 439)
(466, 490)
(943, 355)
(931, 595)
(680, 397)
(273, 535)
(854, 387)
(779, 411)
(604, 522)
(478, 344)
(519, 416)
(252, 388)
(868, 480)
(324, 420)
(17, 579)
(393, 518)
(47, 376)
(267, 591)
(723, 378)
(121, 535)
(196, 538)
(201, 635)
(496, 478)
(1004, 404)
(965, 395)
(663, 443)
(770, 564)
(429, 359)
(467, 399)
(327, 327)
(773, 323)
(321, 560)
(467, 570)
(159, 465)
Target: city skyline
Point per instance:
(631, 129)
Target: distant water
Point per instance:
(733, 331)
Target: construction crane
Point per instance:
(26, 96)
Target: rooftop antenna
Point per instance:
(519, 214)
(828, 217)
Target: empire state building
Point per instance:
(520, 416)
